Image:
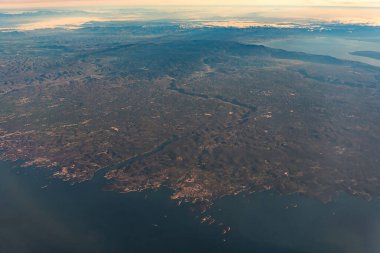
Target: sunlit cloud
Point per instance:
(221, 16)
(369, 16)
(244, 24)
(67, 23)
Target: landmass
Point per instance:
(201, 116)
(369, 54)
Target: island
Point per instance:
(369, 54)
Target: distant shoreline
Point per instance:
(368, 54)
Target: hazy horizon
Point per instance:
(237, 16)
(48, 4)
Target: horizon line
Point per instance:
(41, 4)
(76, 6)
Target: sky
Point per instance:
(72, 3)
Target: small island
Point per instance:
(369, 54)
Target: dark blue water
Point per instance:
(83, 218)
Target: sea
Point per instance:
(338, 47)
(39, 214)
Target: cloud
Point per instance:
(68, 23)
(210, 16)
